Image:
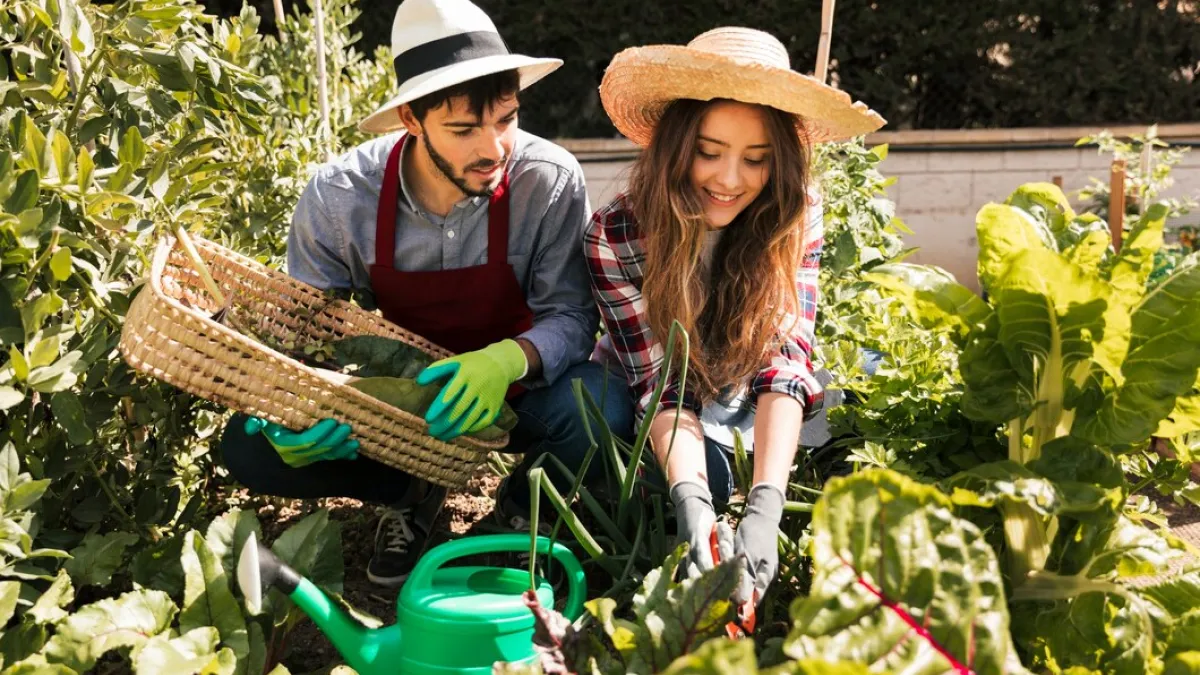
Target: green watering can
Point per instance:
(456, 620)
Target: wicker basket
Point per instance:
(169, 335)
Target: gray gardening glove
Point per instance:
(696, 520)
(757, 540)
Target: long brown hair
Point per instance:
(735, 323)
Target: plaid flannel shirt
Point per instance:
(615, 257)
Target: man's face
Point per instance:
(471, 152)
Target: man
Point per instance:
(468, 232)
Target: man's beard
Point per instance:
(460, 180)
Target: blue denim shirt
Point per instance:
(332, 240)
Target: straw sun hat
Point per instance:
(741, 64)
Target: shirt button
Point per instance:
(450, 233)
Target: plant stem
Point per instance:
(112, 496)
(86, 81)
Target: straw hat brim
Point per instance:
(385, 120)
(641, 81)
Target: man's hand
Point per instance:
(474, 391)
(325, 440)
(757, 540)
(696, 520)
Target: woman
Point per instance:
(720, 230)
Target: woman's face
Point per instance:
(732, 162)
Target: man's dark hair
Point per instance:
(480, 92)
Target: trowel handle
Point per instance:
(422, 575)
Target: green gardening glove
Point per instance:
(324, 440)
(477, 382)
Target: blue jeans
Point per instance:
(547, 421)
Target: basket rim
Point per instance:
(358, 398)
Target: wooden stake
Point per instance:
(1057, 180)
(322, 89)
(279, 17)
(826, 38)
(1116, 203)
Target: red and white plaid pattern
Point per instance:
(615, 256)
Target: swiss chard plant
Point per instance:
(1082, 366)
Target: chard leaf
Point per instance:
(1128, 281)
(127, 621)
(899, 582)
(994, 392)
(193, 652)
(1183, 663)
(1051, 313)
(207, 598)
(1045, 202)
(1090, 250)
(1162, 363)
(1185, 418)
(49, 607)
(1070, 622)
(987, 485)
(313, 547)
(1003, 232)
(94, 561)
(934, 298)
(670, 618)
(228, 533)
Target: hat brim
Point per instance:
(530, 70)
(640, 82)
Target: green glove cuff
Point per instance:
(509, 356)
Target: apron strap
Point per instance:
(389, 195)
(498, 224)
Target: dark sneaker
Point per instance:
(403, 534)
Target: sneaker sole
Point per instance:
(389, 582)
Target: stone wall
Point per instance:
(944, 177)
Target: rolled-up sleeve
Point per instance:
(565, 317)
(790, 370)
(315, 245)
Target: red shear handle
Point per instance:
(744, 623)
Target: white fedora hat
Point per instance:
(440, 43)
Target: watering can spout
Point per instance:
(259, 570)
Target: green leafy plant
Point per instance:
(1082, 365)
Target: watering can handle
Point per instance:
(422, 575)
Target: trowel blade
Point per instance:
(249, 575)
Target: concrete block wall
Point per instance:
(944, 177)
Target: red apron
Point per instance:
(461, 309)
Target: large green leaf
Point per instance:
(993, 390)
(227, 534)
(313, 547)
(1111, 633)
(670, 619)
(207, 598)
(1127, 278)
(94, 561)
(899, 582)
(935, 299)
(191, 653)
(49, 606)
(1162, 363)
(1051, 313)
(127, 621)
(988, 485)
(1003, 232)
(1045, 202)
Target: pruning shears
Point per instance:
(743, 624)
